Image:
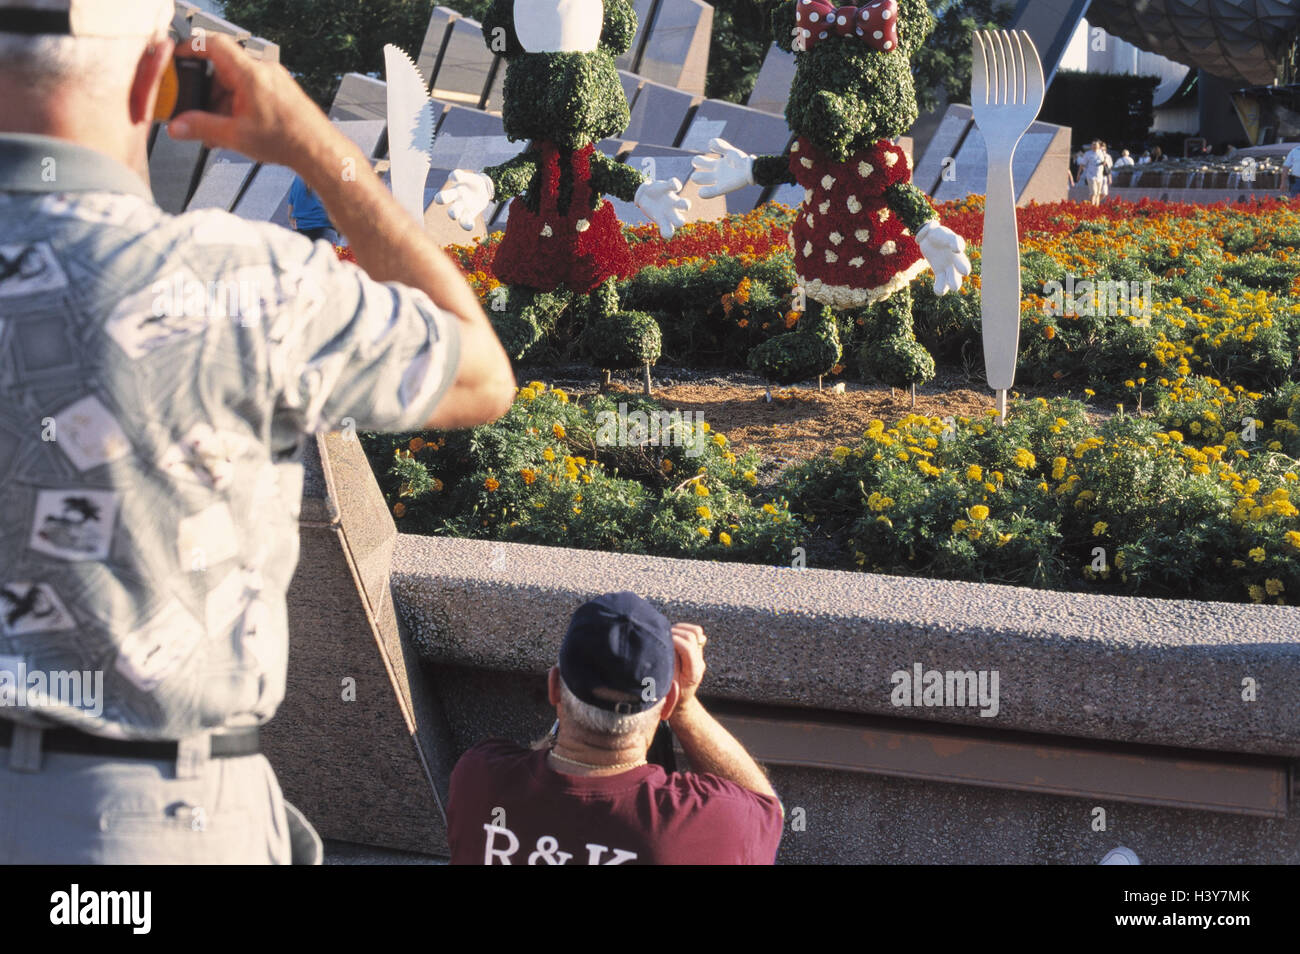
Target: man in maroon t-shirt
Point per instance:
(589, 796)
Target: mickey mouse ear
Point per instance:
(559, 26)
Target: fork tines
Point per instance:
(1006, 70)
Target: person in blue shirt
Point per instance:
(307, 214)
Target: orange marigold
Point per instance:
(491, 483)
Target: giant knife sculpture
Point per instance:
(1006, 94)
(410, 130)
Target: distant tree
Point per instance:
(320, 40)
(944, 63)
(742, 33)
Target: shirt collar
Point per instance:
(44, 164)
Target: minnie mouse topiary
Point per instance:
(563, 246)
(863, 231)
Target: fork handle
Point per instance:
(1000, 277)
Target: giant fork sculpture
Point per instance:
(1006, 92)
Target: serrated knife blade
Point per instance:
(410, 130)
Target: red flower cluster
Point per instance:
(577, 248)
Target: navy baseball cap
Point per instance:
(618, 654)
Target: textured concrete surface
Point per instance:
(1132, 670)
(358, 743)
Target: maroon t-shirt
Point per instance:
(508, 806)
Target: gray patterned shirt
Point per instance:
(158, 377)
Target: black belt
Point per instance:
(231, 743)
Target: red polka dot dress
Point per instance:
(850, 249)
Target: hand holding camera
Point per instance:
(227, 99)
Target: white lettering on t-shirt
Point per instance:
(594, 853)
(547, 851)
(505, 853)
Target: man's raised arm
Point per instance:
(709, 746)
(264, 114)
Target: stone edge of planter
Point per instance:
(1162, 672)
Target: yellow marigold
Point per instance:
(1293, 539)
(1274, 587)
(1024, 459)
(841, 452)
(1099, 528)
(703, 513)
(978, 512)
(974, 472)
(1256, 593)
(537, 386)
(528, 475)
(769, 508)
(704, 426)
(548, 455)
(558, 430)
(724, 538)
(959, 525)
(527, 394)
(701, 490)
(719, 440)
(491, 483)
(1043, 487)
(705, 531)
(1058, 468)
(1258, 554)
(750, 476)
(560, 395)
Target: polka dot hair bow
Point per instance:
(875, 23)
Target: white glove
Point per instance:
(660, 200)
(466, 195)
(945, 251)
(729, 170)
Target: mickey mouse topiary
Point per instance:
(564, 246)
(863, 231)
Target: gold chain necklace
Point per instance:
(623, 766)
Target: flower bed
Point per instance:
(1175, 476)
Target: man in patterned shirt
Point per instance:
(159, 377)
